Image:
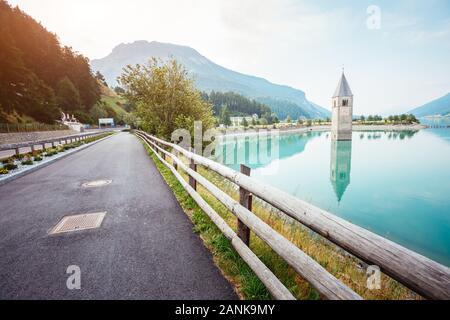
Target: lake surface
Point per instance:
(396, 184)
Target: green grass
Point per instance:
(233, 267)
(114, 102)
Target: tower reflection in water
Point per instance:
(340, 166)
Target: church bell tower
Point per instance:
(342, 111)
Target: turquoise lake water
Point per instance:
(394, 184)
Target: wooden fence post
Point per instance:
(175, 165)
(246, 200)
(193, 166)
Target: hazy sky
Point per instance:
(401, 60)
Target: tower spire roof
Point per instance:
(343, 89)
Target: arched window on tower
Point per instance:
(344, 102)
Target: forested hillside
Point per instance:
(38, 77)
(237, 104)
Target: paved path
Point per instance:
(145, 248)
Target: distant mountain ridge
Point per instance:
(210, 76)
(440, 106)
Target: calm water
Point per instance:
(394, 184)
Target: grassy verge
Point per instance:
(344, 267)
(226, 258)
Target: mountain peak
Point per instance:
(440, 106)
(144, 45)
(210, 76)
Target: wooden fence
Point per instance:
(421, 274)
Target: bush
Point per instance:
(27, 162)
(51, 152)
(37, 158)
(19, 156)
(10, 166)
(67, 147)
(8, 160)
(4, 171)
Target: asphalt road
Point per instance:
(145, 248)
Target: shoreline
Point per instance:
(356, 128)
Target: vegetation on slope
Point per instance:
(39, 77)
(237, 104)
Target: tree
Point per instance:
(67, 96)
(245, 122)
(32, 64)
(165, 97)
(263, 122)
(119, 90)
(403, 117)
(99, 76)
(289, 119)
(225, 116)
(236, 103)
(363, 118)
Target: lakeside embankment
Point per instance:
(289, 130)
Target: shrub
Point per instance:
(8, 160)
(51, 152)
(27, 162)
(67, 147)
(10, 166)
(4, 171)
(19, 156)
(37, 158)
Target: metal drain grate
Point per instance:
(79, 222)
(97, 183)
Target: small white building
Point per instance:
(342, 111)
(237, 121)
(106, 122)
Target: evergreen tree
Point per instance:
(99, 76)
(32, 64)
(67, 96)
(225, 116)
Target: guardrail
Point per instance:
(52, 141)
(30, 127)
(421, 274)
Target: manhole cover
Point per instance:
(97, 183)
(79, 222)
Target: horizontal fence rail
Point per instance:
(30, 127)
(43, 142)
(421, 274)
